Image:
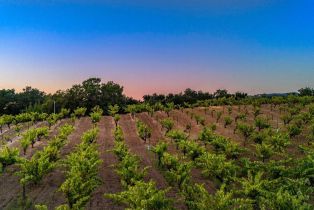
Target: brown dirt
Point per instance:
(137, 146)
(110, 180)
(45, 192)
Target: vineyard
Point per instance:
(250, 155)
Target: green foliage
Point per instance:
(144, 132)
(206, 135)
(218, 116)
(113, 110)
(261, 123)
(90, 136)
(129, 170)
(259, 136)
(246, 130)
(294, 130)
(8, 156)
(167, 124)
(179, 174)
(42, 132)
(285, 200)
(192, 149)
(120, 149)
(159, 150)
(264, 151)
(256, 111)
(227, 121)
(8, 120)
(33, 170)
(80, 112)
(116, 119)
(254, 186)
(168, 108)
(41, 207)
(286, 118)
(279, 141)
(216, 166)
(226, 147)
(310, 136)
(118, 134)
(240, 116)
(197, 198)
(95, 116)
(132, 109)
(177, 135)
(81, 175)
(143, 195)
(28, 138)
(199, 119)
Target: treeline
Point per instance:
(93, 92)
(90, 93)
(191, 97)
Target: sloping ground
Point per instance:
(47, 191)
(9, 183)
(110, 180)
(181, 120)
(138, 147)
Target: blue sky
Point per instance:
(158, 46)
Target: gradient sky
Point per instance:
(160, 46)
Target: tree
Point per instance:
(307, 91)
(220, 93)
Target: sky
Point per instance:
(255, 46)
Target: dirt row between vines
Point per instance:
(138, 147)
(8, 180)
(110, 180)
(180, 121)
(45, 192)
